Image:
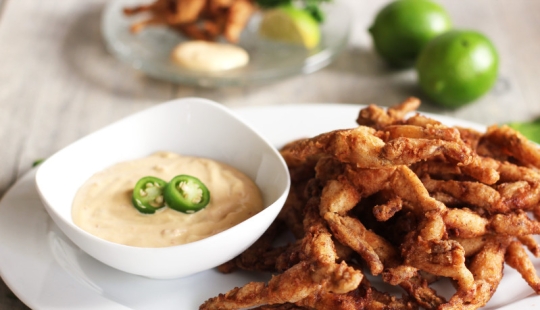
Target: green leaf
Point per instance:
(315, 11)
(37, 162)
(312, 6)
(273, 3)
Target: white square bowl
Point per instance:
(190, 126)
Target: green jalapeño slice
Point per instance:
(148, 194)
(186, 194)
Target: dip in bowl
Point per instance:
(190, 127)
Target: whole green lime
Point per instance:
(403, 27)
(457, 67)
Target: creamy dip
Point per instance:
(102, 206)
(209, 56)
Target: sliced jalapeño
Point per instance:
(186, 194)
(147, 194)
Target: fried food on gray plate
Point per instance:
(196, 19)
(406, 199)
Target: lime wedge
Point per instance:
(291, 25)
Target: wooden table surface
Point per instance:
(59, 83)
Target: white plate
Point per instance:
(46, 271)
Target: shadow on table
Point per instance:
(373, 81)
(361, 61)
(87, 57)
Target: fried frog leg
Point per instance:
(317, 272)
(487, 269)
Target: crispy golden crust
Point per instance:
(196, 19)
(402, 197)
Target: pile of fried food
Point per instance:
(197, 19)
(405, 198)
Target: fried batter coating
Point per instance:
(361, 147)
(385, 211)
(408, 186)
(196, 19)
(531, 244)
(318, 273)
(471, 246)
(364, 297)
(487, 268)
(471, 193)
(417, 132)
(517, 258)
(406, 151)
(352, 233)
(260, 256)
(374, 116)
(513, 173)
(399, 180)
(470, 136)
(502, 198)
(295, 284)
(512, 143)
(417, 287)
(285, 306)
(439, 257)
(338, 196)
(422, 121)
(514, 224)
(291, 213)
(237, 17)
(409, 200)
(482, 169)
(464, 223)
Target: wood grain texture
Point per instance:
(58, 82)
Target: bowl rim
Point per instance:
(164, 105)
